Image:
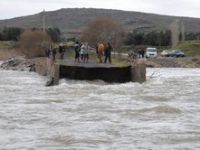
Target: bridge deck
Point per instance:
(90, 64)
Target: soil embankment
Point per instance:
(22, 64)
(187, 62)
(39, 65)
(6, 54)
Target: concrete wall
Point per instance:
(138, 73)
(135, 72)
(111, 74)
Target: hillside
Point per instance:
(74, 19)
(191, 48)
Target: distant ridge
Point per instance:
(75, 19)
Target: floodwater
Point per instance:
(161, 114)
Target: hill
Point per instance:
(75, 19)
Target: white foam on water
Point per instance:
(162, 113)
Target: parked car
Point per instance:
(165, 53)
(176, 53)
(151, 52)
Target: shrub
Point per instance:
(33, 42)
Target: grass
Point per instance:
(190, 48)
(7, 44)
(119, 61)
(7, 49)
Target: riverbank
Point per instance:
(79, 71)
(171, 62)
(39, 65)
(119, 59)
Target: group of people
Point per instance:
(81, 52)
(104, 50)
(51, 52)
(141, 53)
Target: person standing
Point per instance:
(82, 51)
(85, 54)
(108, 50)
(142, 53)
(77, 49)
(61, 50)
(100, 52)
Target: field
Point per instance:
(7, 49)
(191, 48)
(4, 45)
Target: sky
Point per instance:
(16, 8)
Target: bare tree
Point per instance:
(32, 43)
(103, 30)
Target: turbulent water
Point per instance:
(163, 113)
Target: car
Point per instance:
(151, 52)
(176, 53)
(164, 53)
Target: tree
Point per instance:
(139, 38)
(32, 43)
(129, 39)
(103, 30)
(10, 33)
(167, 38)
(153, 38)
(1, 36)
(192, 36)
(54, 33)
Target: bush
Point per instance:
(54, 33)
(10, 33)
(33, 42)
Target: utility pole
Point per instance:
(43, 21)
(175, 32)
(43, 27)
(182, 30)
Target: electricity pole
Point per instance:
(43, 21)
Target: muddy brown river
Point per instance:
(161, 114)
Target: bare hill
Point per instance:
(75, 19)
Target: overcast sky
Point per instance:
(15, 8)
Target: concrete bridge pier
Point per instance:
(54, 75)
(138, 72)
(109, 73)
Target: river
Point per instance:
(162, 113)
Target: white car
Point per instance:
(151, 52)
(165, 53)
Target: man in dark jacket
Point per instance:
(61, 50)
(108, 53)
(77, 49)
